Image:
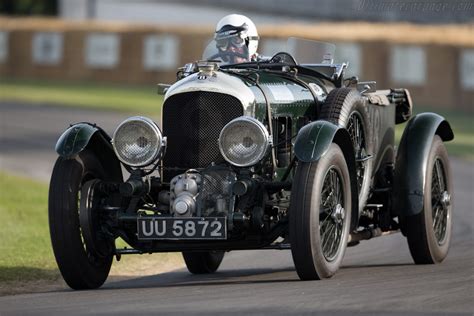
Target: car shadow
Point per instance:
(224, 277)
(227, 277)
(182, 278)
(380, 265)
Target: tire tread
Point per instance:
(64, 225)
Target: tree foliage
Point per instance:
(29, 7)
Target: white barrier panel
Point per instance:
(4, 46)
(47, 48)
(102, 50)
(408, 65)
(466, 69)
(160, 52)
(350, 53)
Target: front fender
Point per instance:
(313, 141)
(412, 160)
(75, 139)
(83, 136)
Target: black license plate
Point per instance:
(175, 228)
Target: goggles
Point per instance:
(225, 42)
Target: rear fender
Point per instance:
(412, 160)
(313, 141)
(83, 136)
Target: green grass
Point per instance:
(134, 99)
(25, 245)
(26, 253)
(462, 124)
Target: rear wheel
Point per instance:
(320, 215)
(203, 262)
(429, 233)
(80, 266)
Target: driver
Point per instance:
(236, 39)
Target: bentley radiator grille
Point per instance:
(192, 122)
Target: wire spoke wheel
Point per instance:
(79, 265)
(331, 217)
(91, 257)
(439, 201)
(356, 132)
(346, 108)
(429, 232)
(320, 215)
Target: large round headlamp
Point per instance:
(138, 141)
(244, 141)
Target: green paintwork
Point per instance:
(286, 98)
(75, 139)
(412, 160)
(279, 174)
(380, 134)
(314, 139)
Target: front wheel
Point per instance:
(429, 232)
(320, 215)
(80, 266)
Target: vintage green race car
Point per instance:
(281, 153)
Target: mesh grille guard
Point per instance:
(192, 122)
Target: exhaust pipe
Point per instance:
(369, 234)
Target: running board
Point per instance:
(278, 246)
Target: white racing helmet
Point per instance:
(237, 30)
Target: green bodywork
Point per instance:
(314, 139)
(286, 97)
(75, 139)
(412, 160)
(84, 136)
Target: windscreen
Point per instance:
(310, 52)
(304, 51)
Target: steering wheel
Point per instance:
(283, 57)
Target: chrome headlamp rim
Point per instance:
(267, 140)
(154, 127)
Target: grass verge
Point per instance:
(27, 262)
(134, 99)
(463, 143)
(25, 245)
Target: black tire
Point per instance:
(313, 259)
(429, 233)
(203, 262)
(346, 108)
(80, 268)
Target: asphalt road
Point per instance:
(377, 277)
